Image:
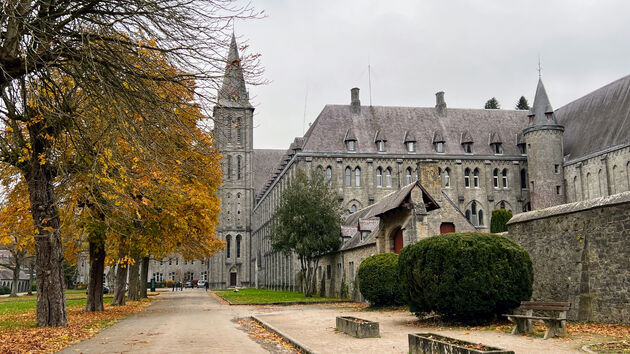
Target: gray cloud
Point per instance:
(473, 50)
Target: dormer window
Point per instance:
(439, 147)
(549, 116)
(438, 142)
(410, 142)
(380, 141)
(381, 145)
(522, 148)
(350, 140)
(467, 148)
(351, 145)
(497, 148)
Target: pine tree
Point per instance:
(522, 103)
(492, 103)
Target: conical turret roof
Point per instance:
(541, 109)
(233, 92)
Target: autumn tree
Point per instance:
(522, 103)
(492, 103)
(16, 226)
(81, 43)
(307, 223)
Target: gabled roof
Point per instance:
(466, 137)
(395, 200)
(264, 164)
(495, 138)
(598, 120)
(328, 131)
(409, 137)
(437, 137)
(350, 135)
(380, 136)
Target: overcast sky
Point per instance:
(472, 50)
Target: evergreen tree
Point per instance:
(522, 103)
(492, 103)
(307, 224)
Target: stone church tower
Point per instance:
(543, 137)
(233, 119)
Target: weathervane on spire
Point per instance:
(539, 68)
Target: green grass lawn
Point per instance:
(265, 296)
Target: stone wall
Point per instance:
(581, 254)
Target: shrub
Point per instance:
(498, 222)
(378, 280)
(465, 276)
(4, 290)
(34, 286)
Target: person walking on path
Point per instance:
(206, 285)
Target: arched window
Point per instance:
(468, 215)
(388, 177)
(379, 177)
(502, 205)
(467, 177)
(447, 177)
(329, 175)
(476, 178)
(613, 185)
(353, 208)
(229, 130)
(357, 177)
(601, 184)
(523, 178)
(473, 213)
(480, 217)
(239, 138)
(228, 246)
(408, 175)
(229, 167)
(504, 177)
(238, 246)
(348, 179)
(588, 186)
(575, 189)
(238, 167)
(319, 172)
(495, 178)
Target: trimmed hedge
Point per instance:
(467, 277)
(378, 280)
(499, 219)
(4, 290)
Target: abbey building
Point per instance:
(469, 162)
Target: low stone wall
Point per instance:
(581, 254)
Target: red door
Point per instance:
(447, 227)
(398, 241)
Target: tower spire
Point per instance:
(233, 92)
(541, 113)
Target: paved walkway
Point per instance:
(194, 321)
(181, 322)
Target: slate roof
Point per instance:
(264, 164)
(328, 131)
(598, 120)
(7, 274)
(233, 92)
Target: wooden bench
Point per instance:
(555, 323)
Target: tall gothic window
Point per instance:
(408, 175)
(238, 167)
(388, 177)
(229, 130)
(239, 131)
(504, 177)
(447, 177)
(495, 178)
(357, 177)
(238, 246)
(229, 167)
(228, 246)
(348, 177)
(467, 177)
(476, 178)
(329, 175)
(319, 172)
(523, 178)
(379, 177)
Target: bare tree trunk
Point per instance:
(16, 276)
(134, 269)
(97, 269)
(121, 281)
(51, 302)
(144, 277)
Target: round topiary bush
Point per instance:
(467, 277)
(378, 280)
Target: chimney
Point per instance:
(440, 104)
(355, 103)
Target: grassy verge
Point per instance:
(264, 296)
(19, 334)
